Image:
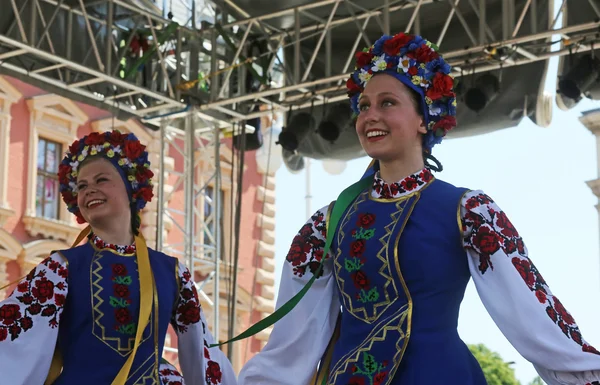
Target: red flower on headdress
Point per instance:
(74, 147)
(63, 171)
(363, 58)
(133, 149)
(352, 87)
(143, 174)
(423, 54)
(392, 46)
(116, 138)
(94, 138)
(144, 193)
(446, 123)
(441, 85)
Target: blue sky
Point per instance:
(537, 176)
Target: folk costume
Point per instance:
(384, 302)
(97, 314)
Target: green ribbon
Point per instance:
(344, 200)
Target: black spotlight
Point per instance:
(294, 162)
(580, 77)
(335, 120)
(253, 140)
(484, 91)
(297, 129)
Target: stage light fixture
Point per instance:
(486, 88)
(336, 118)
(580, 78)
(299, 126)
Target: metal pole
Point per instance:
(161, 189)
(109, 36)
(188, 169)
(308, 196)
(217, 230)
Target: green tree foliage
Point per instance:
(496, 371)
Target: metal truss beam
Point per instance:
(200, 223)
(187, 58)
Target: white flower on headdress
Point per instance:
(117, 149)
(434, 110)
(74, 165)
(73, 186)
(379, 64)
(404, 64)
(364, 76)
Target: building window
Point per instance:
(46, 196)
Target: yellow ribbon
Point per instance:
(146, 298)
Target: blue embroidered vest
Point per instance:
(101, 312)
(401, 272)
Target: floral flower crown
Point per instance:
(417, 64)
(124, 151)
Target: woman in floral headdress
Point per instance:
(384, 302)
(97, 314)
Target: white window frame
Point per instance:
(55, 118)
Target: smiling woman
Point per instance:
(112, 295)
(375, 280)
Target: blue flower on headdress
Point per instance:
(415, 43)
(437, 65)
(354, 103)
(378, 46)
(451, 106)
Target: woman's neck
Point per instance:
(396, 170)
(123, 238)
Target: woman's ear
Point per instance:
(422, 128)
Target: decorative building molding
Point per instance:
(50, 228)
(5, 213)
(36, 251)
(8, 96)
(57, 119)
(10, 250)
(265, 273)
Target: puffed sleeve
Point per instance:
(200, 364)
(29, 320)
(298, 340)
(519, 300)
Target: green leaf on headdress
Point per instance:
(439, 132)
(455, 82)
(365, 49)
(434, 46)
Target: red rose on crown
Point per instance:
(441, 85)
(446, 123)
(363, 59)
(116, 138)
(143, 174)
(133, 149)
(352, 87)
(144, 193)
(74, 147)
(392, 46)
(94, 138)
(423, 54)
